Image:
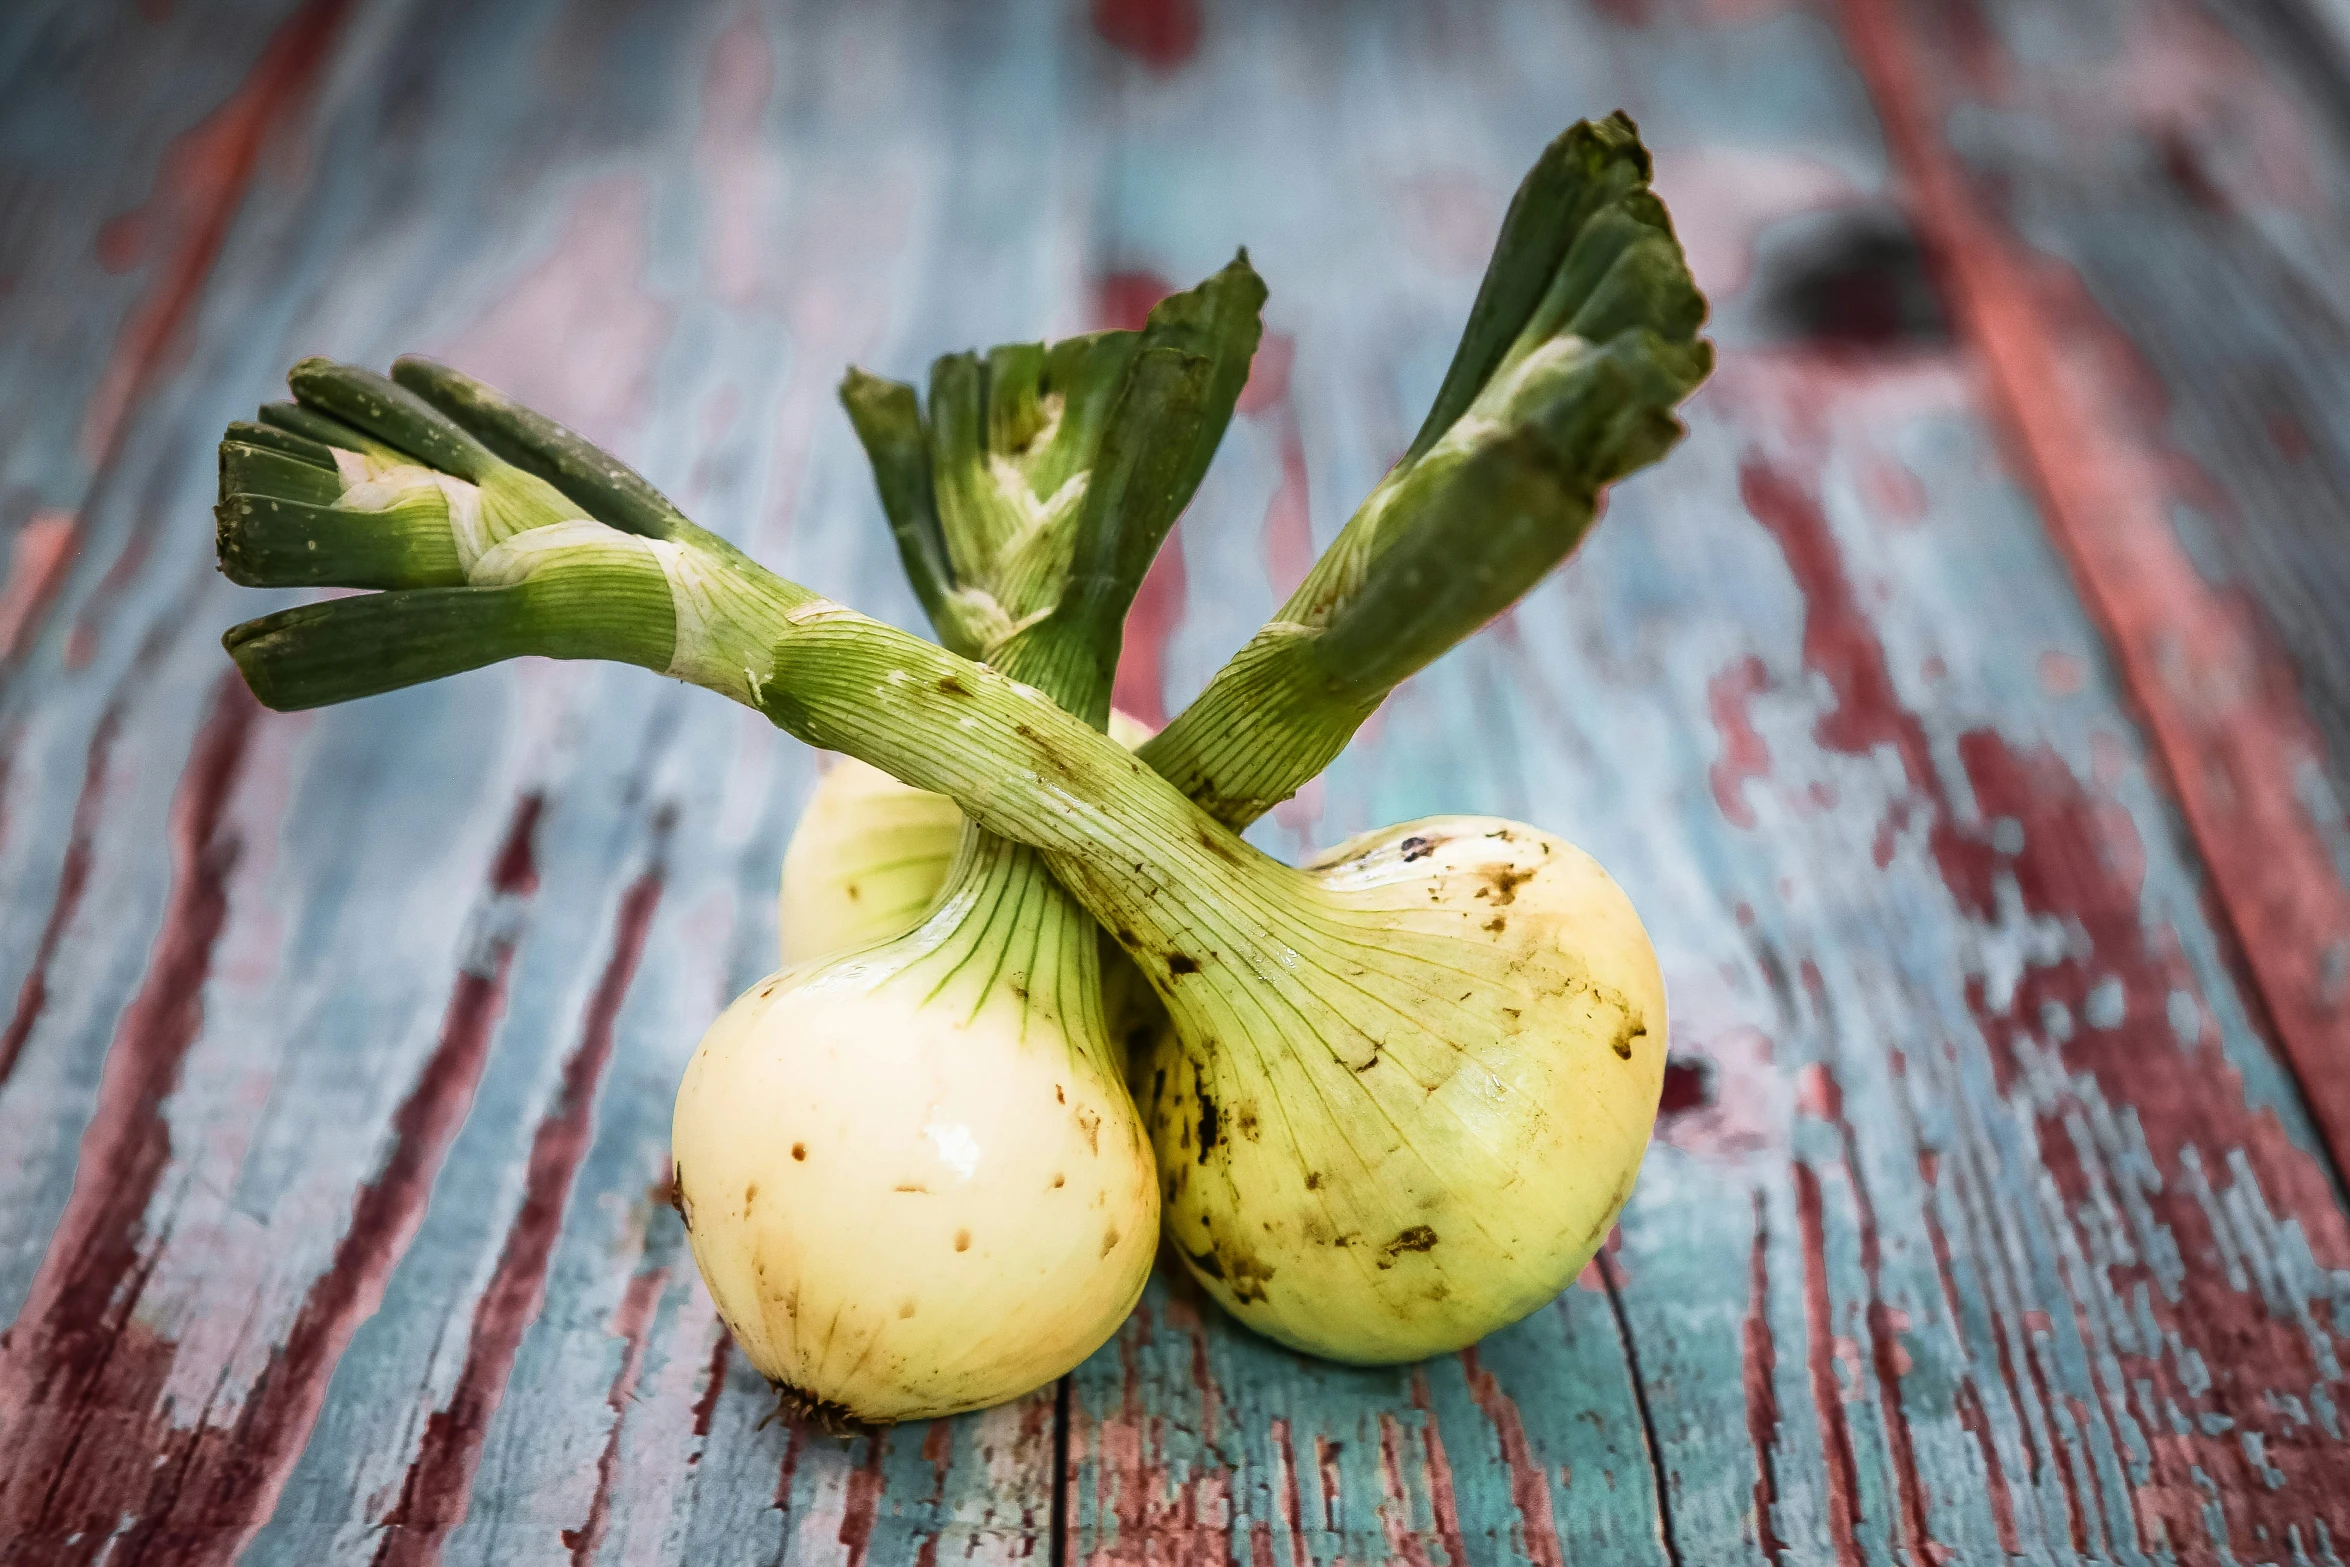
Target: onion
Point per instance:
(1585, 246)
(1437, 1134)
(1368, 1031)
(914, 1179)
(1403, 1090)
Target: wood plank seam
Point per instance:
(78, 1314)
(1061, 1499)
(72, 880)
(434, 1498)
(387, 1209)
(1648, 1435)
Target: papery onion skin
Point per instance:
(904, 1212)
(1381, 1202)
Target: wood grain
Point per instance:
(1928, 1266)
(433, 1086)
(1988, 1219)
(2255, 740)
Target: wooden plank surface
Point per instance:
(1962, 707)
(1937, 1257)
(2158, 297)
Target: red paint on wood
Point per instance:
(863, 1500)
(1745, 754)
(1267, 387)
(75, 1371)
(706, 1407)
(1725, 196)
(2081, 1422)
(1404, 1543)
(81, 643)
(73, 877)
(1183, 1316)
(434, 1497)
(38, 558)
(2222, 708)
(630, 1324)
(938, 1450)
(1758, 1366)
(793, 1437)
(1968, 1405)
(515, 872)
(2061, 674)
(577, 335)
(1122, 300)
(1441, 1500)
(203, 181)
(736, 154)
(1529, 1481)
(2080, 865)
(1885, 1324)
(1840, 645)
(1893, 492)
(2289, 436)
(1333, 1485)
(1727, 1097)
(122, 240)
(1117, 1441)
(1041, 1421)
(1688, 1086)
(1162, 34)
(1839, 642)
(1292, 1503)
(1966, 1401)
(223, 1480)
(1827, 1392)
(2063, 1462)
(2083, 866)
(1288, 530)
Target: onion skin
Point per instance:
(903, 1210)
(1380, 1200)
(1541, 1119)
(867, 859)
(870, 855)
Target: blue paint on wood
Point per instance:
(1917, 1266)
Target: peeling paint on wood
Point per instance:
(2220, 701)
(1962, 708)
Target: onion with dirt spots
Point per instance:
(1447, 1111)
(914, 1178)
(1401, 1092)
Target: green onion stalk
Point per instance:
(1582, 339)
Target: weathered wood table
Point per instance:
(1967, 706)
